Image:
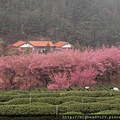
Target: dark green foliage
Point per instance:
(93, 93)
(108, 112)
(47, 48)
(27, 110)
(91, 22)
(109, 100)
(32, 118)
(4, 98)
(73, 113)
(87, 108)
(49, 100)
(58, 97)
(77, 45)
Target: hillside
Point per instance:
(90, 22)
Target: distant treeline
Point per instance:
(89, 22)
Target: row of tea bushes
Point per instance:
(5, 97)
(61, 100)
(26, 110)
(46, 109)
(88, 108)
(108, 112)
(31, 118)
(49, 100)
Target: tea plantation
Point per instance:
(76, 101)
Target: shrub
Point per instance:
(26, 110)
(2, 103)
(113, 100)
(4, 98)
(50, 100)
(103, 99)
(78, 99)
(73, 113)
(18, 101)
(89, 107)
(108, 112)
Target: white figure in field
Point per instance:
(115, 89)
(87, 88)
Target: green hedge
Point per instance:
(49, 100)
(90, 107)
(80, 99)
(8, 96)
(60, 100)
(26, 110)
(65, 108)
(108, 112)
(31, 118)
(112, 100)
(86, 108)
(73, 113)
(4, 97)
(93, 93)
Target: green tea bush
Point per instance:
(73, 113)
(78, 99)
(110, 100)
(50, 100)
(103, 99)
(31, 118)
(45, 95)
(4, 98)
(39, 103)
(91, 93)
(89, 107)
(26, 110)
(108, 112)
(2, 103)
(18, 101)
(74, 88)
(20, 94)
(16, 92)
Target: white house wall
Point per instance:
(26, 45)
(67, 46)
(39, 48)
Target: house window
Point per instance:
(42, 47)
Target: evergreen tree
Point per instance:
(47, 48)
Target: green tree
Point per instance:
(47, 48)
(77, 45)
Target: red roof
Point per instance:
(17, 44)
(34, 43)
(60, 43)
(41, 43)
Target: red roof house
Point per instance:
(33, 45)
(63, 45)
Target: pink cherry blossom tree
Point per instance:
(59, 81)
(72, 67)
(84, 77)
